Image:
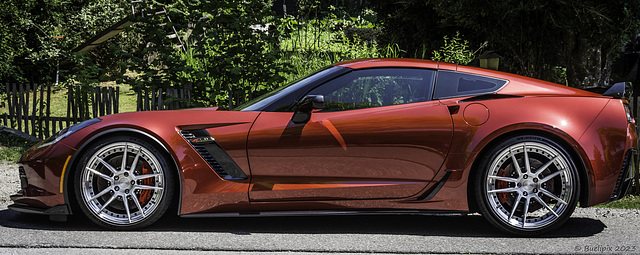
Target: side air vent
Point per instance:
(625, 179)
(213, 154)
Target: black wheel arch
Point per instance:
(68, 188)
(584, 177)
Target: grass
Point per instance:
(627, 202)
(11, 146)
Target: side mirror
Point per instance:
(620, 90)
(306, 106)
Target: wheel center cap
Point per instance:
(124, 181)
(528, 186)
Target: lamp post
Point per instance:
(489, 59)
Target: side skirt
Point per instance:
(326, 213)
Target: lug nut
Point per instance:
(525, 176)
(116, 188)
(126, 174)
(116, 178)
(126, 191)
(525, 193)
(535, 190)
(535, 179)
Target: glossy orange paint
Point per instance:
(397, 150)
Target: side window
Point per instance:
(376, 87)
(453, 84)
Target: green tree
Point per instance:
(37, 36)
(237, 50)
(535, 37)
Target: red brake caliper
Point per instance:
(145, 195)
(502, 185)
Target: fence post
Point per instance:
(116, 105)
(160, 100)
(48, 133)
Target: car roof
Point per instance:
(518, 85)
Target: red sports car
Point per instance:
(361, 136)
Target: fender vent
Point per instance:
(213, 154)
(625, 179)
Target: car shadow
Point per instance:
(421, 225)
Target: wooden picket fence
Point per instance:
(155, 99)
(29, 108)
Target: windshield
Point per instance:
(259, 103)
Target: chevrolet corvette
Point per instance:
(369, 136)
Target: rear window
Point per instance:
(454, 84)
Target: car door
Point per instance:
(378, 136)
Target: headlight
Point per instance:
(67, 132)
(627, 109)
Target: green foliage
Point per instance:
(231, 58)
(454, 50)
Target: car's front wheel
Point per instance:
(527, 185)
(123, 183)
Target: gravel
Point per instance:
(9, 181)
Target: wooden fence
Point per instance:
(29, 108)
(153, 99)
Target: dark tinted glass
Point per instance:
(281, 98)
(376, 87)
(453, 84)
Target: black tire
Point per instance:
(146, 183)
(535, 200)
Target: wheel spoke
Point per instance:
(107, 203)
(515, 206)
(502, 178)
(543, 167)
(515, 163)
(126, 207)
(546, 192)
(101, 193)
(113, 170)
(503, 190)
(545, 205)
(146, 176)
(147, 187)
(526, 210)
(124, 158)
(549, 177)
(135, 201)
(135, 160)
(103, 176)
(527, 165)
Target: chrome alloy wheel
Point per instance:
(529, 185)
(122, 183)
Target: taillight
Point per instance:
(627, 109)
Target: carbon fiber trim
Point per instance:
(213, 154)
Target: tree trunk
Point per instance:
(585, 67)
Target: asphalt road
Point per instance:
(590, 231)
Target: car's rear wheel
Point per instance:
(123, 183)
(528, 185)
